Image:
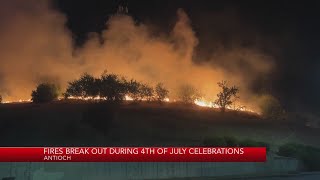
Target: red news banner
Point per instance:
(133, 154)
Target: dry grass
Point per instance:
(79, 123)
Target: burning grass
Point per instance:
(112, 87)
(197, 102)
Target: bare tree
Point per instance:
(161, 92)
(227, 96)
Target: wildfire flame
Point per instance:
(198, 102)
(18, 101)
(204, 103)
(128, 98)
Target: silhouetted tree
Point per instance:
(90, 85)
(45, 92)
(227, 95)
(133, 89)
(161, 92)
(86, 86)
(66, 95)
(0, 99)
(112, 87)
(74, 89)
(188, 94)
(146, 92)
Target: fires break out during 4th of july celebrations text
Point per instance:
(66, 153)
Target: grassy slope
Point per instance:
(66, 124)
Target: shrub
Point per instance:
(253, 143)
(271, 108)
(161, 92)
(290, 150)
(45, 92)
(188, 94)
(229, 141)
(309, 155)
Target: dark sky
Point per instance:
(287, 30)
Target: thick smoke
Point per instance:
(36, 46)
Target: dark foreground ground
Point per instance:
(302, 176)
(75, 123)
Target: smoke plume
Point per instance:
(36, 47)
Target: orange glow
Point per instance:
(204, 103)
(18, 101)
(198, 102)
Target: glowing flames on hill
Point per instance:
(204, 103)
(126, 98)
(198, 102)
(18, 101)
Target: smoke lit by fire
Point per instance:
(37, 47)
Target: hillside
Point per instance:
(76, 123)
